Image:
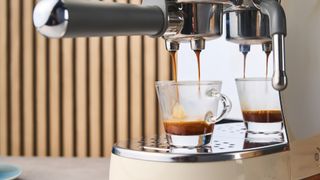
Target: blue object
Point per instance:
(8, 172)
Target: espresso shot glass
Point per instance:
(189, 110)
(260, 105)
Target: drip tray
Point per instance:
(230, 141)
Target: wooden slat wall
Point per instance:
(3, 78)
(74, 97)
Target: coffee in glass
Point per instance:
(260, 105)
(189, 110)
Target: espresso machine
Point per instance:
(248, 22)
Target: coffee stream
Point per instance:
(244, 64)
(174, 63)
(267, 61)
(173, 55)
(198, 52)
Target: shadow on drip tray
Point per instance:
(203, 149)
(262, 140)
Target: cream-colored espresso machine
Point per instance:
(248, 22)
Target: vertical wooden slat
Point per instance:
(67, 88)
(122, 83)
(41, 96)
(149, 80)
(28, 77)
(136, 100)
(15, 77)
(94, 75)
(136, 83)
(164, 71)
(108, 88)
(3, 78)
(54, 98)
(81, 103)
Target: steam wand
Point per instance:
(278, 32)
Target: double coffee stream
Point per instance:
(178, 125)
(174, 64)
(245, 63)
(260, 116)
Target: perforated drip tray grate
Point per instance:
(229, 141)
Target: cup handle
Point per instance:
(227, 105)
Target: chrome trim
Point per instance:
(246, 26)
(198, 44)
(267, 47)
(172, 45)
(229, 136)
(200, 21)
(51, 18)
(244, 48)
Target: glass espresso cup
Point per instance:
(260, 105)
(189, 110)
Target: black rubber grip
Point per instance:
(98, 18)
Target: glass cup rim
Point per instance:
(174, 83)
(253, 79)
